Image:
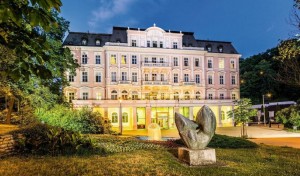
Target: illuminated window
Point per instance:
(186, 62)
(147, 96)
(146, 77)
(133, 59)
(98, 96)
(125, 117)
(221, 79)
(113, 77)
(98, 76)
(210, 80)
(85, 95)
(162, 77)
(84, 59)
(114, 95)
(162, 96)
(209, 48)
(124, 95)
(114, 117)
(175, 61)
(186, 95)
(221, 63)
(135, 95)
(175, 78)
(176, 96)
(209, 64)
(123, 59)
(113, 59)
(198, 95)
(98, 42)
(197, 79)
(98, 59)
(84, 77)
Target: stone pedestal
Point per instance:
(197, 157)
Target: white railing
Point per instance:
(155, 82)
(124, 82)
(115, 44)
(151, 64)
(193, 48)
(189, 83)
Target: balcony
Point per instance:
(124, 82)
(156, 64)
(188, 83)
(156, 82)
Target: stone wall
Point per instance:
(7, 144)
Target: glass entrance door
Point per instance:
(162, 119)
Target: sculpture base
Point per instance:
(199, 157)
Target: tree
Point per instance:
(242, 113)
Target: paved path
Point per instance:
(289, 142)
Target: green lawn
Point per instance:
(155, 160)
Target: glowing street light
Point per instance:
(268, 95)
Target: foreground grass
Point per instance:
(264, 160)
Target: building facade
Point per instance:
(135, 76)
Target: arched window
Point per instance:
(186, 95)
(220, 49)
(97, 42)
(114, 95)
(197, 95)
(176, 96)
(124, 95)
(114, 117)
(84, 41)
(209, 48)
(222, 115)
(125, 117)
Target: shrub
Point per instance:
(289, 116)
(46, 139)
(83, 120)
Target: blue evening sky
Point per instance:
(252, 25)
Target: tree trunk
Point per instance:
(10, 108)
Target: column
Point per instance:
(191, 116)
(134, 120)
(148, 116)
(220, 116)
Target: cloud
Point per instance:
(108, 10)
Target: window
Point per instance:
(124, 95)
(197, 95)
(85, 95)
(133, 42)
(222, 115)
(124, 76)
(162, 96)
(174, 45)
(84, 59)
(98, 96)
(197, 79)
(153, 59)
(221, 63)
(162, 77)
(221, 79)
(71, 78)
(209, 48)
(113, 59)
(197, 62)
(233, 80)
(114, 95)
(98, 59)
(161, 45)
(210, 80)
(114, 117)
(220, 49)
(71, 96)
(186, 77)
(175, 61)
(133, 59)
(175, 78)
(210, 96)
(84, 41)
(176, 96)
(221, 96)
(134, 77)
(148, 43)
(123, 59)
(161, 60)
(232, 65)
(233, 96)
(154, 76)
(154, 44)
(84, 77)
(209, 64)
(147, 96)
(125, 117)
(146, 60)
(186, 95)
(186, 62)
(146, 77)
(113, 77)
(134, 95)
(98, 76)
(98, 42)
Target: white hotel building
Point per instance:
(146, 75)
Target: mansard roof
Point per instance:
(119, 34)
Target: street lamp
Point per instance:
(120, 117)
(268, 95)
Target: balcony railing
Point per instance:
(156, 82)
(188, 83)
(156, 64)
(115, 44)
(124, 82)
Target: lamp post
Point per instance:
(268, 95)
(120, 117)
